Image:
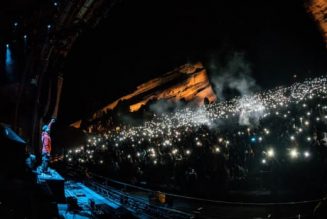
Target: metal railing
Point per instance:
(137, 204)
(135, 197)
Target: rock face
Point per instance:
(318, 9)
(189, 83)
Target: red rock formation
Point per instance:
(188, 82)
(193, 85)
(318, 9)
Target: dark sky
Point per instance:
(143, 39)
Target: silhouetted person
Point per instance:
(46, 145)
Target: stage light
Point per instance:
(188, 152)
(15, 24)
(264, 161)
(9, 61)
(49, 26)
(217, 149)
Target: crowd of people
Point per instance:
(274, 140)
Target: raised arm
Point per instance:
(50, 123)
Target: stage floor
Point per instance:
(83, 194)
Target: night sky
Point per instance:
(144, 39)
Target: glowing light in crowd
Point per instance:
(271, 152)
(253, 139)
(294, 153)
(306, 154)
(189, 129)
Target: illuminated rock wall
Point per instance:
(318, 9)
(188, 82)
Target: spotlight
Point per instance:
(9, 61)
(264, 161)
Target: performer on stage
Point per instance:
(46, 145)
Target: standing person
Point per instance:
(46, 146)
